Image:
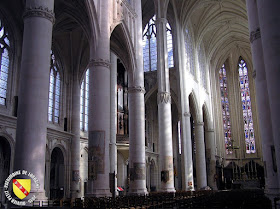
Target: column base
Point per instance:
(75, 194)
(138, 192)
(168, 190)
(99, 193)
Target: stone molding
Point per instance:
(254, 35)
(187, 114)
(210, 130)
(164, 97)
(39, 12)
(136, 89)
(199, 124)
(99, 63)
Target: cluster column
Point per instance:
(187, 161)
(136, 106)
(210, 138)
(113, 145)
(32, 118)
(164, 106)
(200, 156)
(269, 19)
(271, 180)
(75, 146)
(99, 111)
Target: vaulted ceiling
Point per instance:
(217, 24)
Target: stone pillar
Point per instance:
(271, 180)
(187, 161)
(269, 21)
(164, 107)
(201, 175)
(99, 110)
(32, 118)
(113, 145)
(75, 146)
(136, 106)
(210, 138)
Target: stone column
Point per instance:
(201, 175)
(32, 118)
(75, 146)
(187, 161)
(210, 138)
(271, 180)
(136, 106)
(164, 107)
(269, 21)
(99, 110)
(113, 145)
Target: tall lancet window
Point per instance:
(54, 91)
(169, 46)
(4, 62)
(189, 52)
(202, 66)
(225, 110)
(84, 103)
(150, 46)
(246, 107)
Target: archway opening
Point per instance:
(5, 158)
(57, 185)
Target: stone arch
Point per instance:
(194, 106)
(58, 165)
(122, 46)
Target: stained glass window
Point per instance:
(246, 107)
(54, 91)
(4, 62)
(84, 103)
(150, 46)
(225, 110)
(202, 67)
(189, 52)
(169, 46)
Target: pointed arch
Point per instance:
(122, 45)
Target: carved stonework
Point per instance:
(138, 172)
(99, 62)
(187, 114)
(39, 12)
(136, 89)
(199, 124)
(254, 35)
(164, 97)
(96, 154)
(161, 20)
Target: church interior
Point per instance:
(125, 98)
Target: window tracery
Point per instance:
(246, 107)
(84, 103)
(54, 91)
(225, 110)
(150, 46)
(4, 62)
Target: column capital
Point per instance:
(136, 89)
(199, 124)
(40, 11)
(164, 97)
(100, 62)
(187, 114)
(254, 35)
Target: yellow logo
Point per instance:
(21, 187)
